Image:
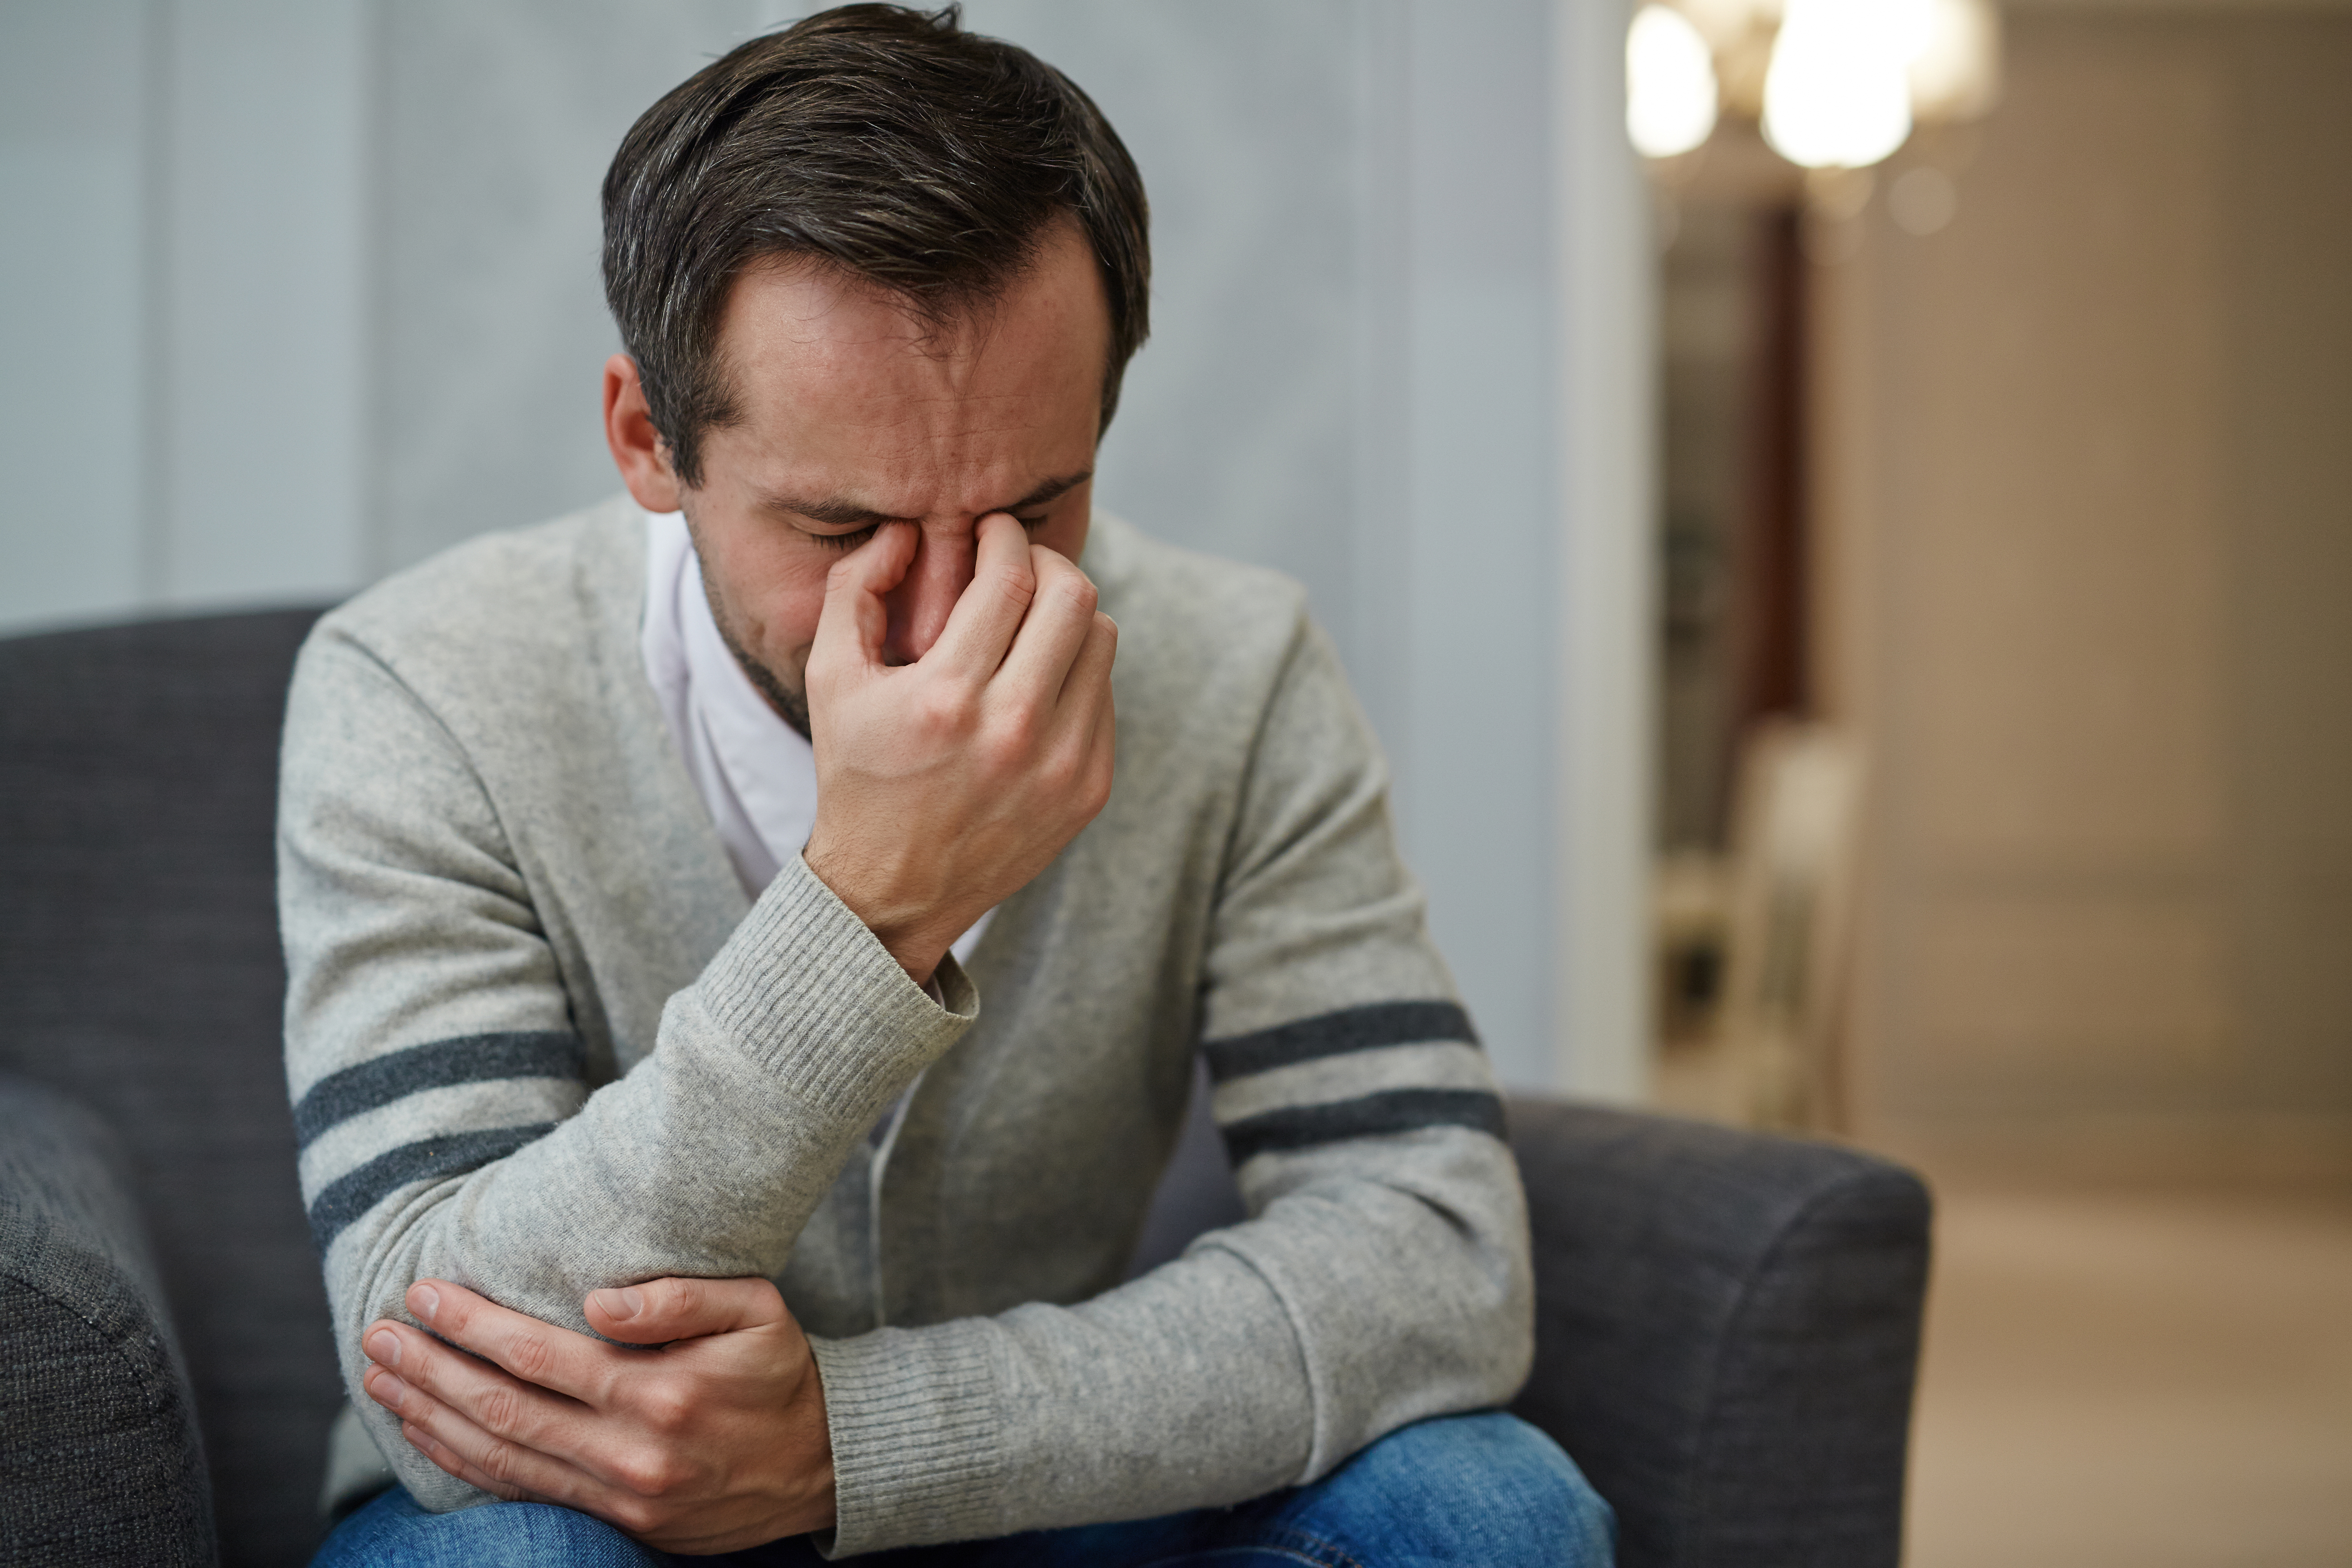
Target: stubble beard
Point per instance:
(791, 706)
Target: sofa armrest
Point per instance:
(101, 1463)
(1728, 1332)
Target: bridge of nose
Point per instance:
(923, 599)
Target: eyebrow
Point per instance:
(849, 514)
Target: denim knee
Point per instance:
(394, 1532)
(1485, 1488)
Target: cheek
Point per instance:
(780, 617)
(771, 598)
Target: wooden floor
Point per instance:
(2135, 1381)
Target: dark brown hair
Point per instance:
(882, 141)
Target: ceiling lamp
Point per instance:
(1670, 95)
(1836, 83)
(1955, 71)
(1838, 94)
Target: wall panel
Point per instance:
(73, 310)
(2091, 518)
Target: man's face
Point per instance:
(854, 416)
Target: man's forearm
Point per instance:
(1386, 1285)
(706, 1159)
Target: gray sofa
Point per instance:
(1729, 1323)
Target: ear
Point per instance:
(638, 449)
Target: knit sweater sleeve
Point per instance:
(1383, 1275)
(442, 1095)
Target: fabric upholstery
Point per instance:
(99, 1459)
(140, 971)
(1727, 1324)
(1727, 1327)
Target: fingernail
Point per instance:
(387, 1390)
(385, 1346)
(621, 1305)
(425, 1301)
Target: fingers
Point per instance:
(1082, 721)
(538, 1353)
(1102, 738)
(503, 1469)
(472, 1420)
(854, 621)
(660, 1310)
(1003, 581)
(441, 1453)
(1089, 673)
(1060, 621)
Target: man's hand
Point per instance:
(944, 785)
(713, 1440)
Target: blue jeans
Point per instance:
(1488, 1490)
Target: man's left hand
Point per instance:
(711, 1439)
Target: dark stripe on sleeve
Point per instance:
(1334, 1033)
(474, 1059)
(1391, 1110)
(350, 1195)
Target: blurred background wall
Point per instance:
(297, 292)
(2085, 464)
(2004, 722)
(2014, 464)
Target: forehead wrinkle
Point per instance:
(962, 483)
(949, 417)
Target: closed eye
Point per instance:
(844, 543)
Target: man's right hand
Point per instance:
(944, 785)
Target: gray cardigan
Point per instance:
(539, 1043)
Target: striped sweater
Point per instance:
(539, 1042)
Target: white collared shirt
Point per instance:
(755, 774)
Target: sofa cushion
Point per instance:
(140, 973)
(102, 1463)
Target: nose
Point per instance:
(935, 580)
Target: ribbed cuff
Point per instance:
(812, 995)
(913, 1416)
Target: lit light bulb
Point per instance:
(1956, 70)
(1725, 22)
(1670, 97)
(1838, 94)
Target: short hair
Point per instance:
(882, 140)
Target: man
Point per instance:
(748, 943)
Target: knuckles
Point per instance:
(500, 1411)
(1063, 770)
(637, 1515)
(530, 1358)
(943, 709)
(675, 1299)
(1098, 789)
(665, 1405)
(502, 1462)
(1016, 584)
(1005, 746)
(647, 1475)
(1076, 594)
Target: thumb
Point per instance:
(852, 626)
(660, 1310)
